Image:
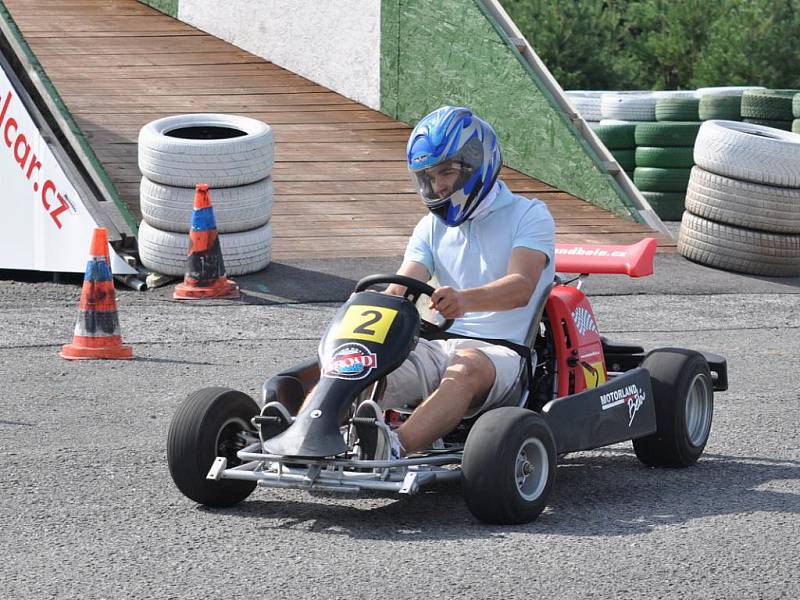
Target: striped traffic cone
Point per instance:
(97, 332)
(205, 269)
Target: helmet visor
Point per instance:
(437, 183)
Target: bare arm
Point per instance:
(513, 290)
(409, 269)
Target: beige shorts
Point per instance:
(404, 385)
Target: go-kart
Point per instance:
(579, 391)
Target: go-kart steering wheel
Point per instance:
(414, 289)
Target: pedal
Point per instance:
(273, 420)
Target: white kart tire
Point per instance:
(738, 249)
(165, 251)
(170, 154)
(743, 204)
(749, 152)
(236, 209)
(628, 106)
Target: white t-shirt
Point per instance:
(477, 252)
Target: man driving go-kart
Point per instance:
(516, 339)
(488, 249)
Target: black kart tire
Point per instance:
(509, 466)
(684, 400)
(211, 422)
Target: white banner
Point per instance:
(44, 225)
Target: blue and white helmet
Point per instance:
(454, 161)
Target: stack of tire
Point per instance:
(770, 108)
(664, 153)
(232, 154)
(743, 201)
(618, 137)
(587, 103)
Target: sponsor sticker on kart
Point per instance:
(350, 361)
(584, 320)
(633, 396)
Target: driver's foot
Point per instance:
(376, 439)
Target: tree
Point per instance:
(578, 40)
(754, 43)
(666, 39)
(664, 44)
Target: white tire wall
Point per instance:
(166, 157)
(236, 209)
(166, 251)
(738, 249)
(749, 152)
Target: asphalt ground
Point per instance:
(88, 509)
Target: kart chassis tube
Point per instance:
(330, 474)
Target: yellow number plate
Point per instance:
(362, 322)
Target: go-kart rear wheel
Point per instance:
(509, 466)
(211, 422)
(684, 398)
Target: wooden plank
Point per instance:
(163, 44)
(283, 134)
(195, 87)
(70, 24)
(230, 56)
(310, 152)
(362, 117)
(172, 72)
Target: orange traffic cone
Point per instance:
(97, 332)
(205, 269)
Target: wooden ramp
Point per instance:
(341, 185)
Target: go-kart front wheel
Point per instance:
(684, 398)
(509, 466)
(211, 422)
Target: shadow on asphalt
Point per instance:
(594, 496)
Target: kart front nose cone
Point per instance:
(314, 434)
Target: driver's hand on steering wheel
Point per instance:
(448, 302)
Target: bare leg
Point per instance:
(467, 380)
